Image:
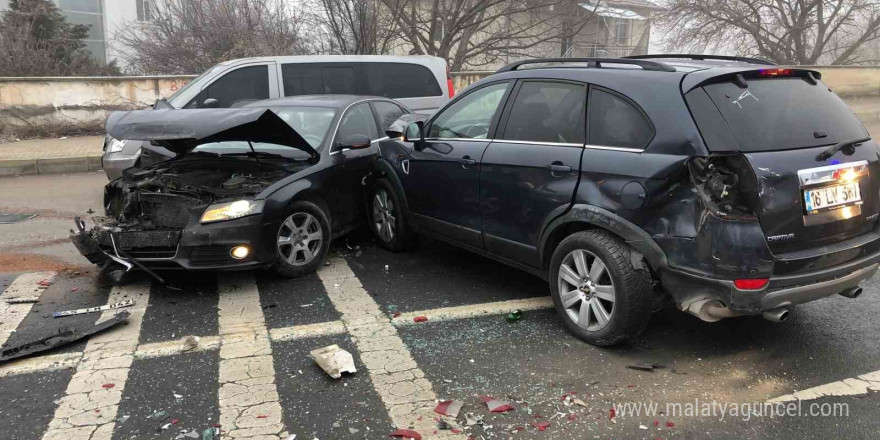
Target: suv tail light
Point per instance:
(449, 84)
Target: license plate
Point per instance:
(828, 197)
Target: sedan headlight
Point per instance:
(115, 145)
(231, 210)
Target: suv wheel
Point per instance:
(387, 219)
(598, 293)
(302, 240)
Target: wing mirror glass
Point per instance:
(414, 132)
(210, 103)
(355, 142)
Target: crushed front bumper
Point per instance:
(198, 246)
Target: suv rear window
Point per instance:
(781, 114)
(391, 80)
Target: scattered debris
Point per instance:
(449, 408)
(443, 425)
(334, 360)
(514, 316)
(420, 319)
(120, 304)
(496, 405)
(269, 306)
(670, 424)
(302, 306)
(211, 433)
(643, 427)
(74, 289)
(612, 415)
(23, 300)
(645, 366)
(406, 433)
(187, 434)
(471, 420)
(44, 283)
(64, 336)
(542, 425)
(189, 343)
(107, 386)
(351, 430)
(122, 419)
(578, 402)
(387, 269)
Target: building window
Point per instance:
(619, 30)
(144, 10)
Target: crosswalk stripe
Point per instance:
(407, 394)
(475, 310)
(249, 406)
(88, 408)
(854, 386)
(11, 315)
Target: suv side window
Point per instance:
(387, 113)
(357, 120)
(614, 122)
(470, 116)
(547, 112)
(236, 88)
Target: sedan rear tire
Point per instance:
(601, 295)
(302, 240)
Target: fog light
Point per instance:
(240, 252)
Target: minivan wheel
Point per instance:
(601, 297)
(302, 240)
(387, 218)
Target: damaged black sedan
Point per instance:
(268, 185)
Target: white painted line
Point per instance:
(475, 310)
(847, 387)
(307, 331)
(407, 394)
(89, 406)
(172, 348)
(249, 406)
(50, 362)
(24, 286)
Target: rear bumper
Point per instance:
(781, 291)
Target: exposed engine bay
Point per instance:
(166, 197)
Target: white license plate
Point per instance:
(821, 199)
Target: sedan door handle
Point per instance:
(466, 161)
(558, 167)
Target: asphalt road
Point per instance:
(251, 372)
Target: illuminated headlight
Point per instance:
(115, 145)
(231, 210)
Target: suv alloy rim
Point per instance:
(383, 215)
(586, 290)
(299, 239)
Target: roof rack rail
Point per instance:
(591, 62)
(699, 57)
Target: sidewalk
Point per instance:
(48, 156)
(83, 153)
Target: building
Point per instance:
(104, 18)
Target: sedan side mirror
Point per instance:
(355, 142)
(414, 132)
(210, 103)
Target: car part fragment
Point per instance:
(63, 336)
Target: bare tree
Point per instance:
(475, 33)
(189, 36)
(784, 31)
(359, 27)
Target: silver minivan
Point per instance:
(421, 83)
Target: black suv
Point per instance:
(734, 186)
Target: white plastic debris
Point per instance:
(190, 342)
(334, 360)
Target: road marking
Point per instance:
(249, 406)
(848, 387)
(50, 362)
(88, 409)
(307, 331)
(406, 393)
(11, 315)
(171, 348)
(475, 310)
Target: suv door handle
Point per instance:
(558, 167)
(466, 161)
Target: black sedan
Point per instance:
(267, 185)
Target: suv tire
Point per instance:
(387, 218)
(307, 231)
(599, 294)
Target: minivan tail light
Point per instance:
(751, 283)
(449, 85)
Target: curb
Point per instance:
(50, 166)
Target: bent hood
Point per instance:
(182, 130)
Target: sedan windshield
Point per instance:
(312, 123)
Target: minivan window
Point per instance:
(547, 112)
(470, 116)
(236, 88)
(391, 80)
(614, 122)
(784, 113)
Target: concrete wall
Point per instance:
(82, 104)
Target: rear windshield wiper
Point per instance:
(837, 147)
